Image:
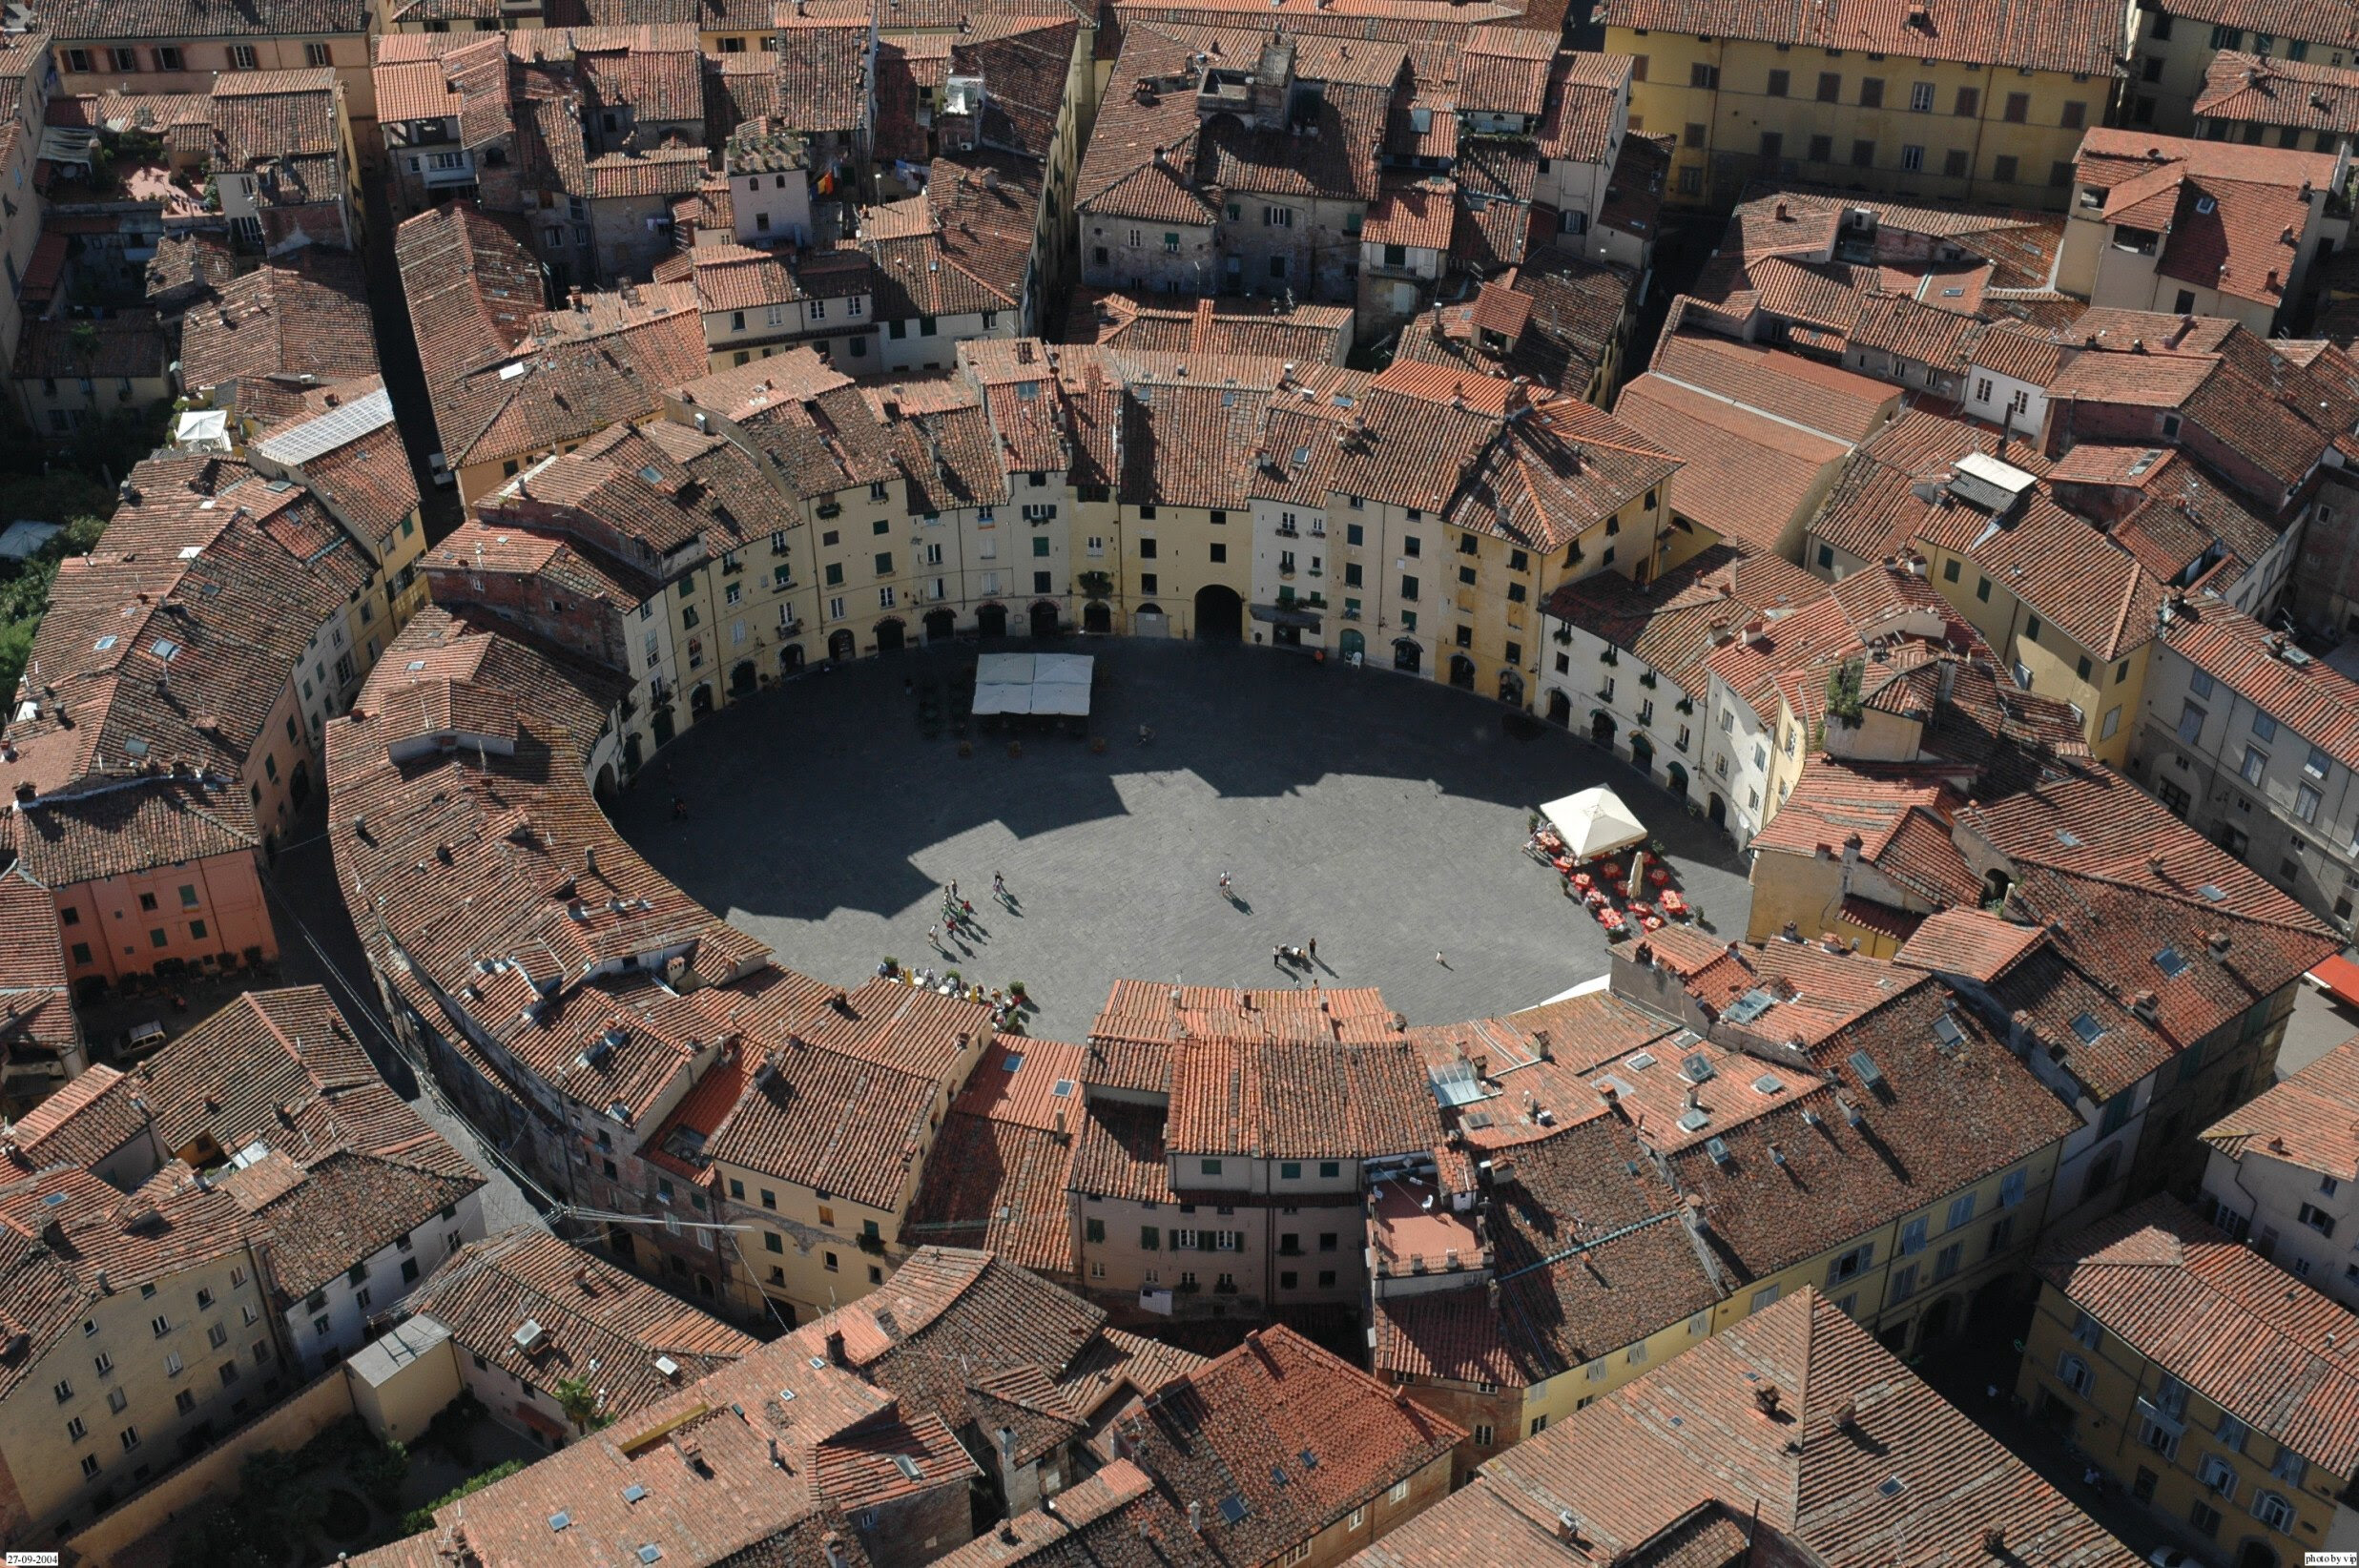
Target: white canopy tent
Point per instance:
(1594, 822)
(1033, 683)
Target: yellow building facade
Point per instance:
(2177, 1452)
(1930, 130)
(2106, 691)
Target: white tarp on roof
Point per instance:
(1033, 683)
(1595, 822)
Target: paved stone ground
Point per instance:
(1383, 816)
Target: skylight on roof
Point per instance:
(1696, 1068)
(1064, 1089)
(650, 1553)
(2170, 963)
(164, 648)
(104, 643)
(1864, 1066)
(651, 474)
(1015, 1059)
(1769, 1084)
(906, 1465)
(2211, 893)
(1892, 1486)
(2088, 1030)
(1750, 1006)
(1640, 1062)
(633, 1492)
(559, 1520)
(1695, 1121)
(416, 665)
(1232, 1508)
(2207, 205)
(2067, 838)
(1946, 1033)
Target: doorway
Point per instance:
(1408, 655)
(1717, 810)
(991, 620)
(790, 658)
(1511, 688)
(1643, 754)
(1560, 710)
(840, 646)
(1220, 614)
(892, 636)
(1461, 671)
(1044, 619)
(1675, 779)
(1097, 618)
(741, 678)
(941, 625)
(700, 700)
(1602, 727)
(1352, 646)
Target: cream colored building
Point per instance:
(144, 1332)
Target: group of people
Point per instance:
(1286, 955)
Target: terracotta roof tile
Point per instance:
(2219, 1317)
(1685, 1465)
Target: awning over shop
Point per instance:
(1287, 616)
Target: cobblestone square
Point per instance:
(1380, 815)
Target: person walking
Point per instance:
(1223, 881)
(933, 938)
(1439, 959)
(1315, 950)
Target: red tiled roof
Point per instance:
(1747, 477)
(2309, 1120)
(2222, 1319)
(1793, 1422)
(1245, 1430)
(1972, 942)
(2318, 703)
(2244, 89)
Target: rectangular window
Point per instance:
(1921, 98)
(2019, 108)
(1969, 102)
(1830, 86)
(1778, 83)
(1863, 155)
(1872, 93)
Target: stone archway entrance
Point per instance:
(1408, 655)
(1461, 671)
(941, 625)
(840, 646)
(991, 620)
(1602, 727)
(1097, 618)
(1044, 616)
(1643, 754)
(892, 636)
(1220, 614)
(741, 678)
(1511, 688)
(1560, 710)
(1353, 645)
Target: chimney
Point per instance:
(834, 1346)
(1994, 1540)
(2146, 1005)
(2218, 943)
(1766, 1397)
(1196, 1518)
